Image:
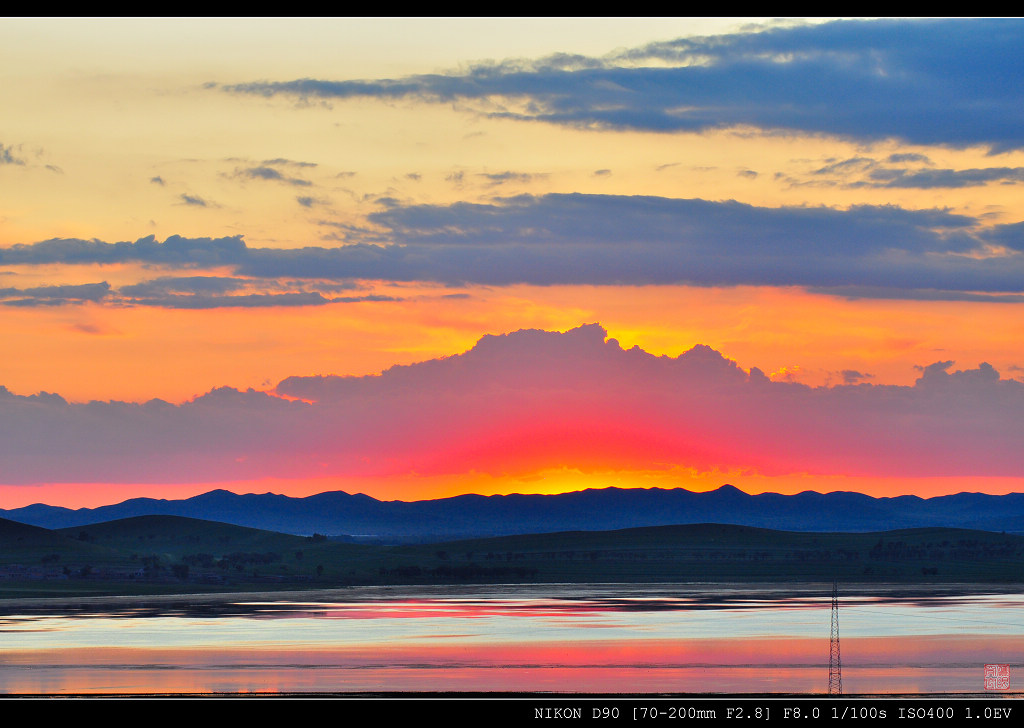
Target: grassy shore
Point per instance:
(164, 555)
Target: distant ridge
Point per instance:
(468, 516)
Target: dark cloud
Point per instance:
(7, 156)
(206, 292)
(157, 181)
(852, 376)
(942, 178)
(54, 295)
(602, 172)
(249, 300)
(271, 174)
(522, 401)
(193, 200)
(876, 251)
(287, 163)
(867, 172)
(904, 157)
(854, 293)
(950, 82)
(500, 178)
(731, 230)
(175, 250)
(217, 285)
(847, 166)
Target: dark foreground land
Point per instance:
(152, 555)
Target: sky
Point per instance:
(420, 257)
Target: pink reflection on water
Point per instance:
(484, 645)
(871, 665)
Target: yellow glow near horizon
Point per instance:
(412, 487)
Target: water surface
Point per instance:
(686, 638)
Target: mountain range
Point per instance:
(362, 518)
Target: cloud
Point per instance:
(54, 295)
(852, 376)
(947, 82)
(249, 300)
(501, 178)
(904, 157)
(854, 293)
(847, 166)
(527, 400)
(279, 161)
(270, 174)
(861, 171)
(158, 181)
(208, 292)
(7, 156)
(943, 178)
(175, 250)
(217, 285)
(863, 251)
(193, 200)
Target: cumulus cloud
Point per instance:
(528, 400)
(947, 82)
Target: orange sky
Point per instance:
(424, 190)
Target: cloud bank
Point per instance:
(520, 402)
(876, 251)
(946, 82)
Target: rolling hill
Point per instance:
(173, 554)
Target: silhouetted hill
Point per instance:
(362, 517)
(14, 534)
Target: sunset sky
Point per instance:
(420, 257)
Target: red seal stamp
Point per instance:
(997, 677)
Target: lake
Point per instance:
(627, 638)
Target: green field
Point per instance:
(170, 554)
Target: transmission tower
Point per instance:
(835, 665)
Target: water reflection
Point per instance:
(599, 639)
